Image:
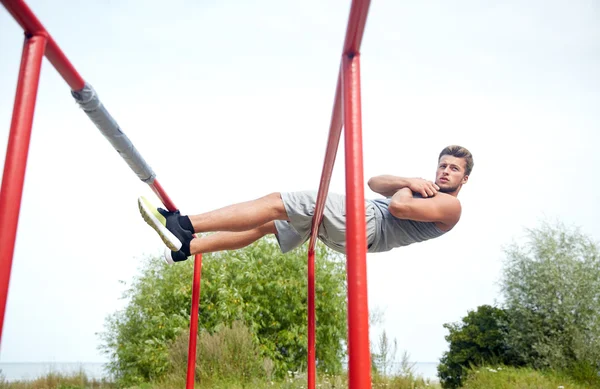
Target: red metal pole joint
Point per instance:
(32, 26)
(356, 26)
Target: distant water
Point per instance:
(426, 370)
(31, 371)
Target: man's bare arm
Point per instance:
(387, 185)
(442, 208)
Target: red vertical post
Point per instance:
(191, 368)
(311, 366)
(16, 158)
(356, 254)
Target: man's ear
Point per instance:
(465, 179)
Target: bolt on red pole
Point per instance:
(359, 373)
(16, 158)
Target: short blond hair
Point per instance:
(459, 152)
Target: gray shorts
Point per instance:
(300, 207)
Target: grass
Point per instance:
(55, 380)
(300, 382)
(80, 381)
(520, 378)
(481, 378)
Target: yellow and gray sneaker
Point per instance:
(168, 226)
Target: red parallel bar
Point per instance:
(32, 26)
(162, 195)
(333, 141)
(356, 26)
(16, 159)
(356, 240)
(335, 131)
(191, 368)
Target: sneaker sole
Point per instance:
(167, 256)
(148, 213)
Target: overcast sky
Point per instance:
(231, 100)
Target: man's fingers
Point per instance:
(428, 189)
(431, 190)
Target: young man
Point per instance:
(413, 210)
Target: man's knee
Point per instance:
(268, 228)
(276, 204)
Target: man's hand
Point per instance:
(424, 187)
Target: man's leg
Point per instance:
(176, 230)
(227, 240)
(244, 216)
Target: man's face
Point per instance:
(450, 174)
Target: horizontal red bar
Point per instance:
(32, 26)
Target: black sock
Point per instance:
(185, 248)
(185, 222)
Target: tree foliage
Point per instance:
(256, 285)
(551, 285)
(477, 339)
(550, 315)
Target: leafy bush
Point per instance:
(256, 285)
(549, 320)
(551, 285)
(229, 353)
(478, 339)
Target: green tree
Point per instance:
(256, 285)
(551, 286)
(478, 339)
